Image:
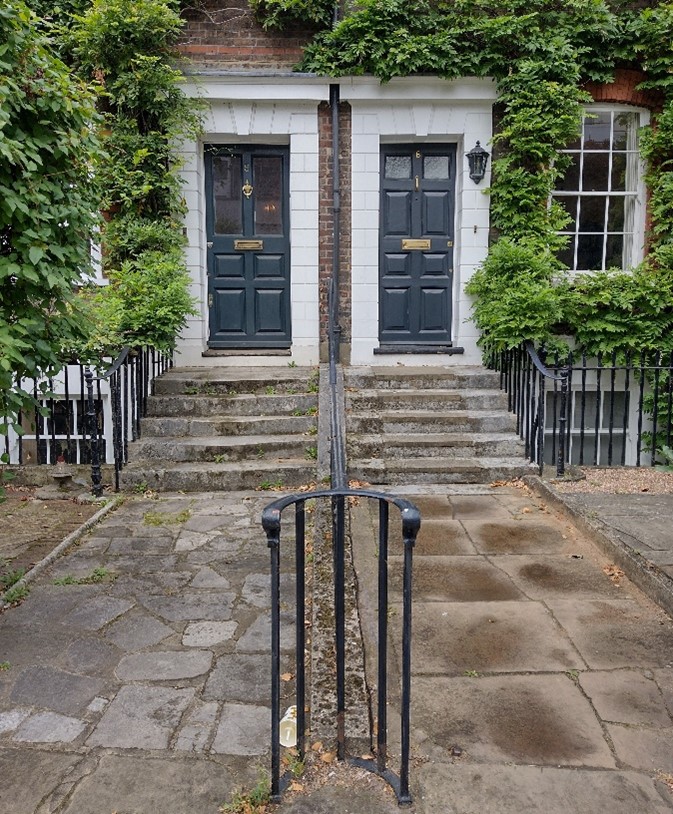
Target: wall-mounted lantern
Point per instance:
(477, 159)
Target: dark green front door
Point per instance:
(247, 224)
(416, 251)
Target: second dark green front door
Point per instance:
(416, 250)
(247, 225)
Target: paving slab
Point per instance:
(478, 789)
(165, 665)
(558, 576)
(169, 785)
(244, 729)
(452, 637)
(542, 719)
(91, 656)
(612, 633)
(240, 678)
(29, 775)
(647, 748)
(455, 579)
(525, 536)
(48, 688)
(626, 697)
(137, 630)
(436, 537)
(141, 717)
(191, 605)
(49, 727)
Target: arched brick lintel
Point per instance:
(623, 91)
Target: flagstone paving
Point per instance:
(542, 678)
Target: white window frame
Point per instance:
(633, 232)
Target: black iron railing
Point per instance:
(130, 380)
(271, 521)
(609, 410)
(84, 418)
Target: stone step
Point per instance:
(228, 425)
(434, 445)
(212, 477)
(437, 470)
(235, 405)
(217, 381)
(430, 399)
(422, 421)
(421, 378)
(222, 449)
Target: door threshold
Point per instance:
(247, 352)
(409, 348)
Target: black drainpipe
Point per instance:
(338, 450)
(334, 327)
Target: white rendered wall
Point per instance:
(422, 110)
(256, 110)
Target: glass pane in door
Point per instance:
(267, 172)
(227, 204)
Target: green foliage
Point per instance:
(48, 205)
(653, 35)
(515, 298)
(390, 38)
(126, 47)
(16, 594)
(11, 578)
(147, 300)
(667, 454)
(254, 801)
(621, 311)
(284, 13)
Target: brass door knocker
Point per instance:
(247, 189)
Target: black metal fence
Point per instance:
(85, 418)
(609, 410)
(271, 521)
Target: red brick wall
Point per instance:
(623, 91)
(225, 33)
(326, 223)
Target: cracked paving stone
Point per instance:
(195, 733)
(141, 717)
(96, 613)
(137, 630)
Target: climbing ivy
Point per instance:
(283, 13)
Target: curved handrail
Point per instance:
(540, 365)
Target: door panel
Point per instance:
(416, 252)
(247, 224)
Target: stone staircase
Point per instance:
(410, 425)
(210, 429)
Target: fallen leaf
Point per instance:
(294, 786)
(327, 757)
(286, 677)
(526, 510)
(317, 746)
